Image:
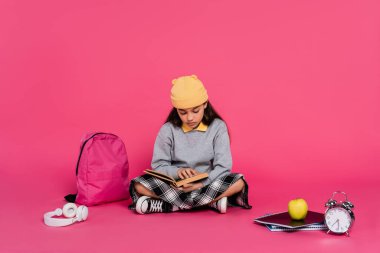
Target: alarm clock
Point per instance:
(339, 217)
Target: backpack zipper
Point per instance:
(81, 150)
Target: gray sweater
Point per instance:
(203, 151)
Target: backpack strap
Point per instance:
(71, 198)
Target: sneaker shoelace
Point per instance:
(155, 206)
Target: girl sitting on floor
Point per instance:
(193, 140)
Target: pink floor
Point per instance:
(113, 228)
(296, 81)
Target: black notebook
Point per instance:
(283, 219)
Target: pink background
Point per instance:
(296, 81)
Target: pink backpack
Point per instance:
(102, 170)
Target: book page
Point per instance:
(160, 175)
(197, 177)
(178, 183)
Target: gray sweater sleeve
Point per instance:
(222, 163)
(162, 159)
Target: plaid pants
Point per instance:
(193, 199)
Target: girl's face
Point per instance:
(192, 116)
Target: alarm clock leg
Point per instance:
(328, 231)
(347, 234)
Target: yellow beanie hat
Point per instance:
(188, 92)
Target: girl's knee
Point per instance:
(140, 188)
(240, 184)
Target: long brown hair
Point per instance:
(209, 115)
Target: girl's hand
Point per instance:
(190, 187)
(186, 173)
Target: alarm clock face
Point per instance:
(338, 220)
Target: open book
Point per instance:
(179, 182)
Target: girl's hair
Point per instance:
(209, 115)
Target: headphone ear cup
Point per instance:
(69, 210)
(82, 213)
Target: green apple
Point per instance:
(297, 209)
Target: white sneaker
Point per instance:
(220, 205)
(148, 205)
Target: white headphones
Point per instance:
(70, 211)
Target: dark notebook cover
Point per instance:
(283, 219)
